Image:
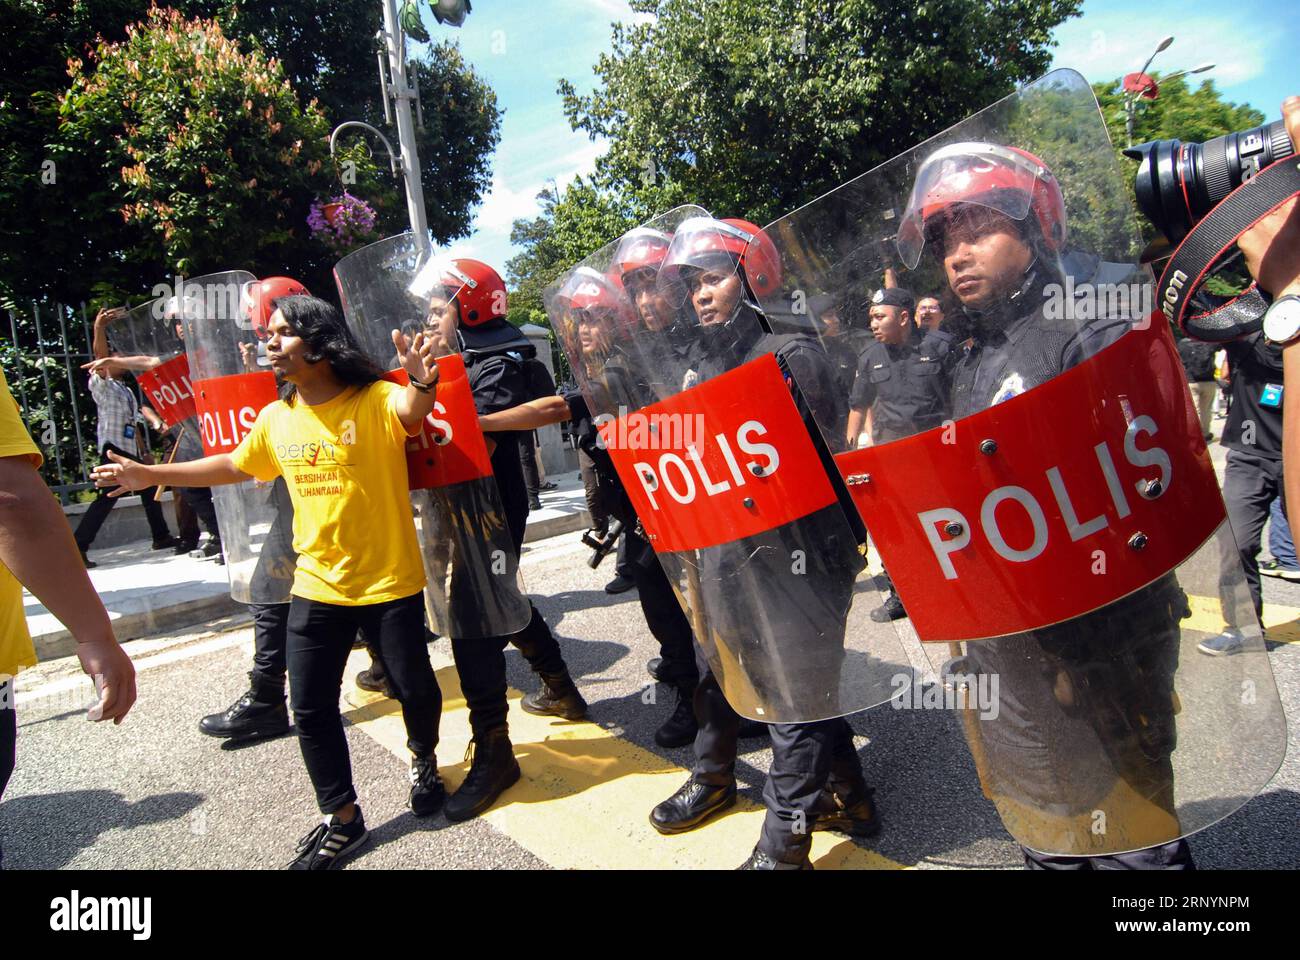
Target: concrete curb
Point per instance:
(132, 626)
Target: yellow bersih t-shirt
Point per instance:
(344, 462)
(16, 650)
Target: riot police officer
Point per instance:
(815, 781)
(472, 321)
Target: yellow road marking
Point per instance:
(585, 797)
(1281, 623)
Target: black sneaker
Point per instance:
(166, 543)
(891, 609)
(559, 697)
(1271, 568)
(620, 584)
(758, 860)
(680, 727)
(493, 770)
(248, 718)
(691, 805)
(534, 504)
(89, 564)
(185, 546)
(330, 843)
(427, 791)
(652, 667)
(855, 815)
(211, 549)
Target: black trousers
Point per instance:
(320, 638)
(270, 650)
(528, 460)
(663, 613)
(806, 758)
(481, 665)
(97, 513)
(8, 738)
(1250, 485)
(8, 733)
(1167, 856)
(199, 499)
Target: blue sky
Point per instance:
(523, 48)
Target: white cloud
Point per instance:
(1107, 46)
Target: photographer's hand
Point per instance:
(1272, 247)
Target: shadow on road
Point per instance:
(46, 831)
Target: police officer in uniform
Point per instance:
(1000, 249)
(815, 781)
(903, 381)
(473, 323)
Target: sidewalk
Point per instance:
(149, 592)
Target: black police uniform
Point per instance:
(659, 603)
(905, 386)
(494, 356)
(1252, 478)
(1118, 662)
(806, 757)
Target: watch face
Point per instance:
(1282, 322)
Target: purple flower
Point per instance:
(350, 221)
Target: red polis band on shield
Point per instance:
(752, 469)
(1003, 522)
(449, 448)
(169, 390)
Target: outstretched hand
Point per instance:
(123, 475)
(417, 356)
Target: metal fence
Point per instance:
(42, 361)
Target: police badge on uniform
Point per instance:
(1012, 386)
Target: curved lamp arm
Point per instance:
(392, 157)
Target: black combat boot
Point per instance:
(691, 805)
(259, 713)
(559, 697)
(492, 771)
(758, 860)
(854, 814)
(680, 727)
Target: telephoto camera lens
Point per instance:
(1179, 183)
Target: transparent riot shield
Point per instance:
(474, 586)
(232, 381)
(1058, 540)
(710, 433)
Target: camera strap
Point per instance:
(1208, 241)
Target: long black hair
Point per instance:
(328, 338)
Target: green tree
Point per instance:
(206, 160)
(1179, 112)
(327, 49)
(752, 109)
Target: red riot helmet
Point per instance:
(597, 294)
(1009, 180)
(259, 298)
(702, 241)
(640, 249)
(477, 289)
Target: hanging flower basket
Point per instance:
(342, 223)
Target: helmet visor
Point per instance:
(982, 174)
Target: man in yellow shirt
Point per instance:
(37, 551)
(338, 438)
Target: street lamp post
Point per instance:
(402, 95)
(397, 95)
(1139, 85)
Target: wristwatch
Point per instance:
(1282, 321)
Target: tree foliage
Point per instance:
(753, 109)
(66, 235)
(206, 159)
